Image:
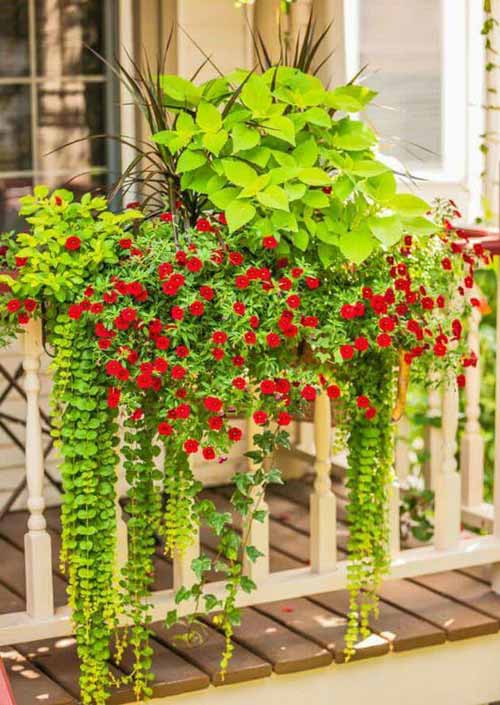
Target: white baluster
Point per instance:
(495, 568)
(183, 573)
(38, 554)
(433, 437)
(472, 443)
(402, 449)
(323, 507)
(256, 533)
(447, 480)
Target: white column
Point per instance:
(323, 507)
(183, 573)
(433, 438)
(447, 480)
(472, 443)
(495, 568)
(256, 533)
(37, 548)
(401, 471)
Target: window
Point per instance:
(53, 91)
(419, 55)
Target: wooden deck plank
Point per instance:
(458, 621)
(402, 630)
(463, 588)
(206, 650)
(173, 674)
(288, 651)
(29, 684)
(58, 659)
(322, 626)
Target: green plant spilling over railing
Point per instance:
(283, 265)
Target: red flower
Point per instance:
(270, 242)
(386, 324)
(427, 303)
(239, 308)
(178, 372)
(73, 243)
(282, 386)
(215, 423)
(166, 217)
(144, 381)
(312, 282)
(21, 261)
(23, 318)
(30, 305)
(309, 321)
(219, 337)
(250, 337)
(165, 429)
(446, 263)
(207, 293)
(267, 386)
(110, 297)
(333, 391)
(183, 411)
(235, 258)
(239, 383)
(361, 344)
(137, 415)
(194, 264)
(241, 281)
(58, 201)
(113, 397)
(293, 301)
(181, 351)
(370, 413)
(378, 304)
(97, 308)
(366, 292)
(162, 342)
(260, 417)
(238, 361)
(297, 272)
(203, 225)
(191, 446)
(125, 243)
(75, 311)
(461, 381)
(308, 393)
(439, 350)
(284, 418)
(235, 433)
(222, 219)
(177, 313)
(13, 305)
(362, 402)
(348, 312)
(164, 270)
(285, 284)
(346, 352)
(384, 340)
(273, 340)
(208, 453)
(160, 365)
(212, 404)
(218, 353)
(254, 321)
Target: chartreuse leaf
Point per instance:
(357, 245)
(382, 188)
(317, 116)
(280, 127)
(306, 153)
(368, 168)
(238, 214)
(190, 160)
(387, 229)
(256, 95)
(208, 118)
(244, 137)
(223, 197)
(260, 183)
(301, 239)
(409, 205)
(350, 98)
(274, 197)
(342, 187)
(214, 142)
(180, 89)
(314, 176)
(238, 172)
(326, 254)
(282, 220)
(353, 135)
(420, 226)
(316, 199)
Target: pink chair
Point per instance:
(6, 694)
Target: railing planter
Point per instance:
(170, 323)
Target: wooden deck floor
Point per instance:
(284, 637)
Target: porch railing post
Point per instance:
(401, 471)
(447, 480)
(433, 438)
(38, 554)
(323, 506)
(495, 568)
(472, 443)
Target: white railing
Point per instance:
(458, 497)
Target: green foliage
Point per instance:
(273, 155)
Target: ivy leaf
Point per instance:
(182, 594)
(201, 565)
(357, 245)
(211, 602)
(274, 197)
(387, 229)
(208, 118)
(188, 161)
(409, 205)
(247, 584)
(238, 214)
(244, 137)
(253, 553)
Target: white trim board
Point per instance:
(455, 673)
